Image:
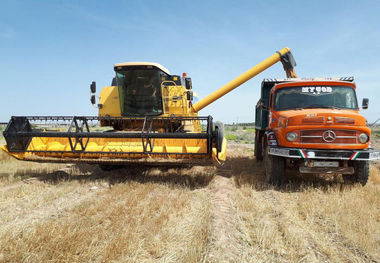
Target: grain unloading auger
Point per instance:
(151, 115)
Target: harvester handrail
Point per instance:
(168, 81)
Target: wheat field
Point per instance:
(79, 213)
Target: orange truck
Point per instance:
(313, 126)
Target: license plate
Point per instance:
(326, 164)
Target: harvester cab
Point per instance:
(152, 116)
(144, 90)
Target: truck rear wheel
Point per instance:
(274, 168)
(258, 147)
(360, 175)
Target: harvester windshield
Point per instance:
(139, 91)
(340, 97)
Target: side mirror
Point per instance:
(188, 83)
(93, 87)
(365, 103)
(261, 104)
(114, 83)
(190, 95)
(92, 99)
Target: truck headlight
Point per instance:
(291, 136)
(363, 138)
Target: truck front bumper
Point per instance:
(353, 155)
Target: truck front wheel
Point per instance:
(360, 175)
(274, 168)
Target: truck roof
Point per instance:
(275, 80)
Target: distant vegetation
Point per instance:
(241, 132)
(246, 124)
(376, 133)
(2, 128)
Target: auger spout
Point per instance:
(284, 55)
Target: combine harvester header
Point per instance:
(150, 115)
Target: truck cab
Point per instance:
(314, 126)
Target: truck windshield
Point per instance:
(139, 91)
(304, 97)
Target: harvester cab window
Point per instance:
(339, 97)
(140, 91)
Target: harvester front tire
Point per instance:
(360, 175)
(219, 133)
(274, 168)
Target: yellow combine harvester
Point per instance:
(151, 115)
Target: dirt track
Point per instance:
(225, 214)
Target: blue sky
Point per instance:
(50, 51)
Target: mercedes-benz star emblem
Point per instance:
(329, 136)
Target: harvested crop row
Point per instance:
(129, 221)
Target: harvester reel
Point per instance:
(15, 142)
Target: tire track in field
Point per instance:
(294, 229)
(224, 243)
(298, 239)
(275, 233)
(341, 244)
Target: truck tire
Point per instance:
(274, 168)
(258, 147)
(360, 175)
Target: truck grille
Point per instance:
(328, 136)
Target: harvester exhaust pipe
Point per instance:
(284, 55)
